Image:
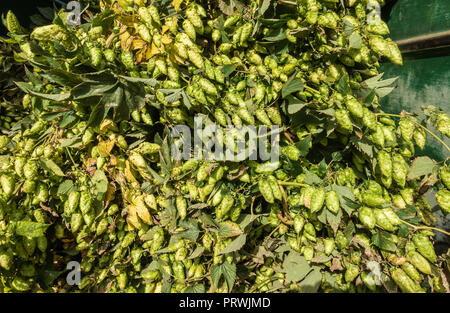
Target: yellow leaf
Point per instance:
(127, 20)
(110, 192)
(176, 4)
(130, 226)
(123, 33)
(138, 44)
(154, 50)
(88, 162)
(108, 125)
(164, 29)
(148, 54)
(132, 217)
(166, 39)
(105, 147)
(133, 222)
(142, 210)
(128, 175)
(132, 209)
(140, 55)
(129, 42)
(176, 59)
(124, 41)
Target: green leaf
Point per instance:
(227, 270)
(186, 101)
(295, 266)
(148, 235)
(304, 146)
(312, 282)
(362, 145)
(322, 167)
(322, 216)
(355, 41)
(100, 182)
(48, 276)
(246, 219)
(54, 97)
(320, 259)
(155, 175)
(276, 35)
(229, 229)
(98, 114)
(404, 214)
(331, 281)
(191, 231)
(47, 12)
(65, 188)
(69, 118)
(293, 104)
(104, 77)
(229, 273)
(349, 231)
(75, 141)
(88, 90)
(383, 240)
(30, 229)
(62, 77)
(166, 287)
(228, 69)
(114, 98)
(199, 288)
(334, 219)
(174, 96)
(292, 86)
(51, 166)
(273, 22)
(147, 81)
(208, 220)
(370, 97)
(264, 6)
(196, 253)
(403, 230)
(348, 28)
(235, 245)
(383, 92)
(336, 156)
(216, 273)
(312, 179)
(376, 82)
(343, 85)
(420, 166)
(346, 198)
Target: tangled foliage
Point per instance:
(87, 175)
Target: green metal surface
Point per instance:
(424, 79)
(411, 18)
(421, 82)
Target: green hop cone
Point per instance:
(425, 247)
(367, 217)
(443, 199)
(13, 24)
(317, 200)
(266, 190)
(405, 283)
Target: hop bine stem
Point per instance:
(425, 227)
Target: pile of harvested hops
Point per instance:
(88, 175)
